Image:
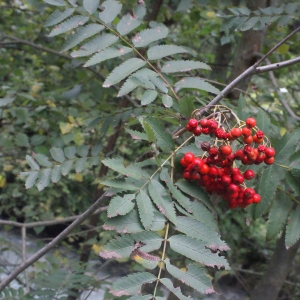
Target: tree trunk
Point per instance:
(251, 42)
(281, 262)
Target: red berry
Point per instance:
(187, 175)
(238, 179)
(236, 171)
(226, 150)
(249, 193)
(248, 139)
(250, 122)
(197, 163)
(213, 172)
(232, 189)
(260, 158)
(256, 198)
(213, 152)
(269, 160)
(188, 157)
(197, 131)
(220, 133)
(204, 169)
(205, 130)
(270, 152)
(226, 179)
(193, 123)
(188, 128)
(249, 174)
(246, 131)
(260, 134)
(236, 132)
(203, 123)
(239, 154)
(257, 140)
(205, 146)
(196, 175)
(261, 148)
(183, 162)
(212, 124)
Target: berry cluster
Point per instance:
(216, 171)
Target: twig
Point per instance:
(24, 257)
(52, 244)
(279, 65)
(48, 223)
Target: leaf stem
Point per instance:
(283, 166)
(288, 194)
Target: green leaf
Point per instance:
(31, 179)
(57, 154)
(66, 167)
(93, 161)
(186, 106)
(184, 5)
(120, 205)
(56, 173)
(136, 135)
(121, 184)
(146, 210)
(285, 146)
(111, 9)
(95, 45)
(167, 100)
(80, 164)
(200, 230)
(194, 277)
(58, 16)
(158, 52)
(284, 20)
(22, 140)
(122, 71)
(278, 214)
(131, 284)
(244, 10)
(147, 36)
(263, 121)
(159, 83)
(176, 291)
(148, 97)
(292, 229)
(250, 23)
(242, 110)
(195, 250)
(267, 188)
(195, 191)
(32, 163)
(293, 179)
(70, 152)
(164, 139)
(174, 66)
(145, 297)
(196, 83)
(107, 54)
(181, 199)
(291, 7)
(83, 150)
(130, 223)
(96, 149)
(44, 179)
(203, 214)
(43, 160)
(162, 200)
(71, 23)
(129, 85)
(80, 35)
(128, 23)
(5, 101)
(91, 5)
(56, 2)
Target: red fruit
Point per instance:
(188, 157)
(212, 124)
(196, 176)
(247, 149)
(205, 130)
(256, 198)
(226, 179)
(248, 139)
(239, 154)
(269, 160)
(204, 169)
(230, 137)
(249, 174)
(248, 193)
(197, 131)
(260, 158)
(261, 148)
(260, 134)
(232, 189)
(213, 152)
(183, 162)
(197, 163)
(246, 131)
(257, 140)
(221, 172)
(232, 204)
(220, 133)
(228, 170)
(193, 123)
(238, 179)
(270, 152)
(203, 123)
(235, 171)
(250, 122)
(205, 146)
(236, 132)
(213, 172)
(253, 154)
(188, 128)
(226, 150)
(245, 160)
(187, 175)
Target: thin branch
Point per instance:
(250, 71)
(276, 66)
(24, 257)
(48, 223)
(52, 244)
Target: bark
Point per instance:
(281, 262)
(251, 41)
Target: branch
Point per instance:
(250, 71)
(276, 66)
(47, 223)
(52, 244)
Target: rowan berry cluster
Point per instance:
(215, 171)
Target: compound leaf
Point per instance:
(146, 210)
(43, 160)
(57, 154)
(66, 167)
(174, 66)
(196, 83)
(293, 178)
(122, 71)
(292, 229)
(111, 10)
(161, 51)
(31, 179)
(56, 173)
(71, 23)
(44, 179)
(58, 16)
(32, 163)
(131, 284)
(120, 205)
(80, 164)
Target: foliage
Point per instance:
(164, 84)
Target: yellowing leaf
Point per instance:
(71, 119)
(36, 88)
(282, 131)
(78, 138)
(65, 127)
(8, 168)
(183, 270)
(283, 49)
(78, 177)
(41, 131)
(51, 103)
(210, 14)
(2, 182)
(97, 248)
(161, 264)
